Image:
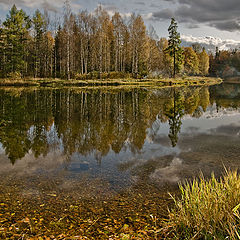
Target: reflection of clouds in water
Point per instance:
(1, 149)
(192, 130)
(162, 140)
(232, 130)
(213, 112)
(169, 173)
(160, 146)
(223, 112)
(30, 165)
(149, 139)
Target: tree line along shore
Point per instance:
(91, 46)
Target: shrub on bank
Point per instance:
(207, 209)
(14, 75)
(105, 75)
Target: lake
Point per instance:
(93, 144)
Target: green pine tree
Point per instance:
(39, 28)
(174, 49)
(2, 51)
(16, 26)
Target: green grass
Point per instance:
(207, 209)
(110, 82)
(17, 82)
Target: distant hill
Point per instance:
(210, 43)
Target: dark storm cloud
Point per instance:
(11, 2)
(221, 14)
(153, 5)
(52, 6)
(192, 25)
(212, 5)
(49, 7)
(230, 25)
(140, 3)
(163, 14)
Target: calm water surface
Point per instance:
(110, 140)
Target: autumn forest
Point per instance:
(91, 46)
(110, 129)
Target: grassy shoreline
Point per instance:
(196, 81)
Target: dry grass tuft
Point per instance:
(207, 209)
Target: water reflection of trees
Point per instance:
(175, 111)
(226, 95)
(91, 121)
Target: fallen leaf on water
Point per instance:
(26, 220)
(52, 194)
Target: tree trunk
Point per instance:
(68, 57)
(174, 64)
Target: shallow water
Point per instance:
(99, 162)
(118, 138)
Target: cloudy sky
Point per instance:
(197, 18)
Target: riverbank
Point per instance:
(196, 81)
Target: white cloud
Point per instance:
(112, 9)
(210, 43)
(147, 16)
(126, 15)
